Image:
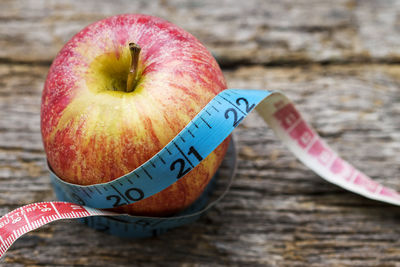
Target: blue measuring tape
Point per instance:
(196, 141)
(214, 123)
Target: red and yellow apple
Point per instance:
(108, 106)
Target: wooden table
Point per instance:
(339, 61)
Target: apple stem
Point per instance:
(133, 71)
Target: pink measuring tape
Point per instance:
(199, 138)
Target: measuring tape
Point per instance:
(196, 141)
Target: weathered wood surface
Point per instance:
(330, 57)
(250, 32)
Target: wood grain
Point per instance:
(338, 61)
(238, 32)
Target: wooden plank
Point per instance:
(245, 32)
(278, 213)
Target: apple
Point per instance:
(117, 93)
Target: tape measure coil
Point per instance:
(195, 142)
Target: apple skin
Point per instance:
(94, 132)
